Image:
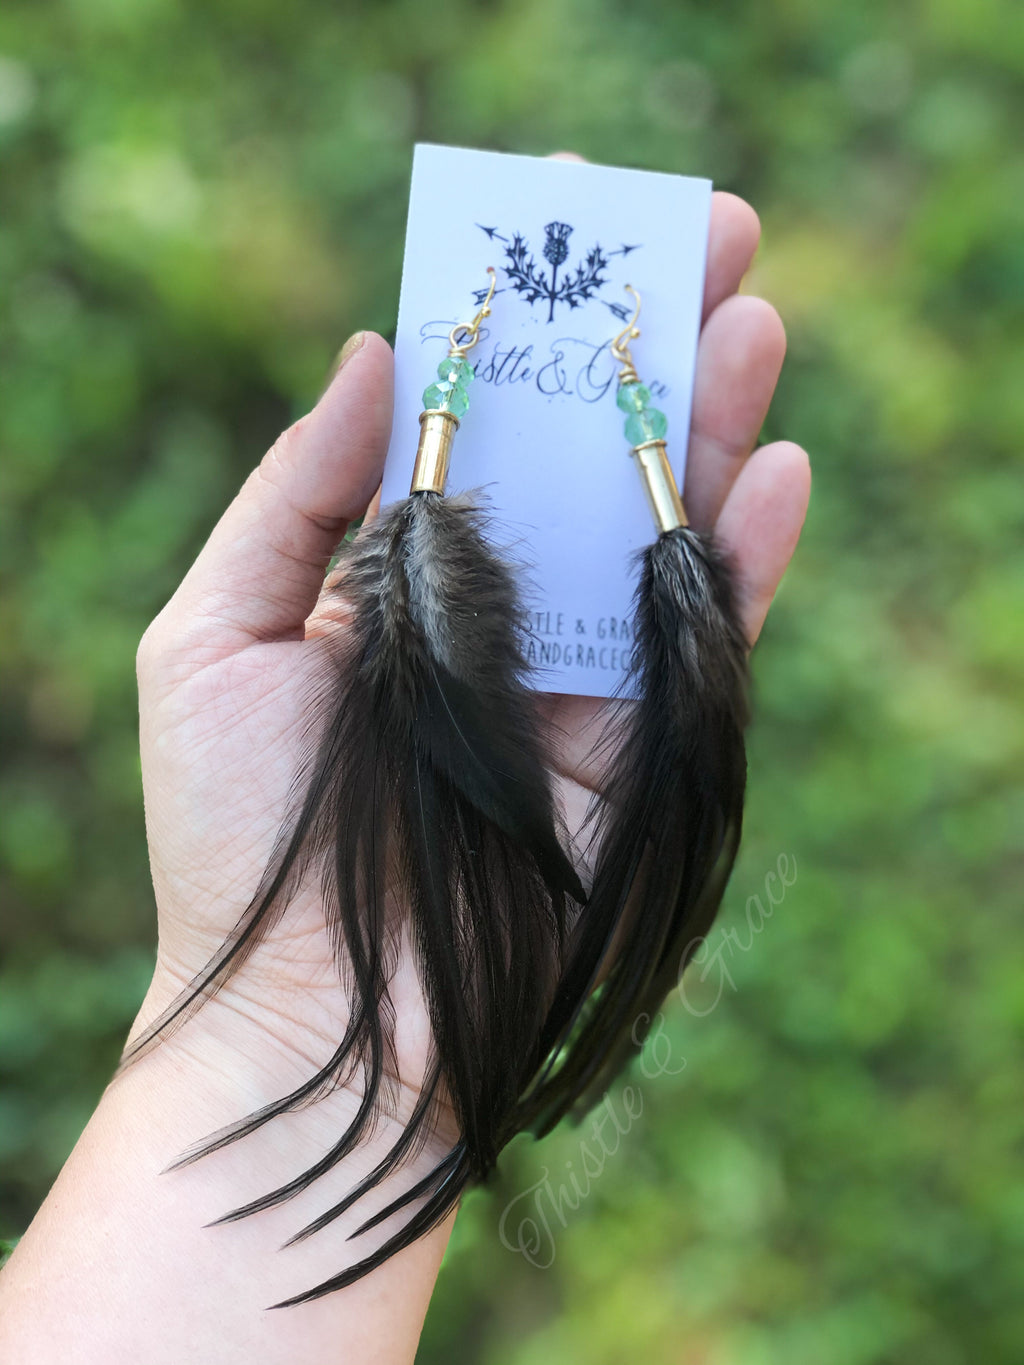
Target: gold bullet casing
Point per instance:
(660, 485)
(437, 430)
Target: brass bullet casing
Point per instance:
(437, 430)
(660, 485)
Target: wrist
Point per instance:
(121, 1240)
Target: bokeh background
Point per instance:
(198, 202)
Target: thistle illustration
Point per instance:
(534, 284)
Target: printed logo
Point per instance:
(571, 285)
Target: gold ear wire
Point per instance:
(620, 346)
(464, 335)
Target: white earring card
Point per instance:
(542, 446)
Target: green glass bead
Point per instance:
(455, 374)
(456, 371)
(448, 397)
(457, 401)
(633, 397)
(650, 425)
(656, 423)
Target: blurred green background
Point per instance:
(198, 202)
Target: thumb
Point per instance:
(258, 575)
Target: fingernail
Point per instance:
(346, 353)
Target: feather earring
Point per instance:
(669, 817)
(428, 792)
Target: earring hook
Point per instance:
(465, 335)
(620, 346)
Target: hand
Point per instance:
(222, 673)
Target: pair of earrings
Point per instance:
(430, 775)
(668, 821)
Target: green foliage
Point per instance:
(196, 205)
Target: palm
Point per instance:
(224, 669)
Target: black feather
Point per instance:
(429, 779)
(430, 771)
(668, 823)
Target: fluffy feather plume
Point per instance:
(668, 822)
(427, 808)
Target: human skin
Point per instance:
(118, 1266)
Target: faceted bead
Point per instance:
(448, 397)
(457, 401)
(650, 425)
(633, 397)
(656, 423)
(456, 371)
